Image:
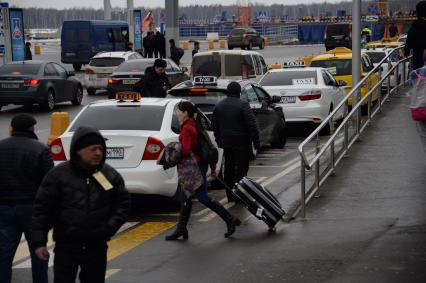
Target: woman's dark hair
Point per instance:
(191, 109)
(186, 106)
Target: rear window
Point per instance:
(233, 65)
(19, 69)
(204, 100)
(238, 31)
(132, 66)
(106, 62)
(376, 57)
(337, 30)
(289, 78)
(335, 67)
(207, 65)
(147, 118)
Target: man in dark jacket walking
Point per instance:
(235, 129)
(149, 45)
(85, 201)
(28, 54)
(155, 82)
(24, 162)
(416, 41)
(174, 52)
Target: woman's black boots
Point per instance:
(181, 231)
(231, 221)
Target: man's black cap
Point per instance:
(22, 122)
(160, 63)
(421, 9)
(233, 89)
(88, 140)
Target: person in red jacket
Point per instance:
(188, 138)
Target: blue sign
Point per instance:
(16, 17)
(4, 5)
(373, 9)
(137, 27)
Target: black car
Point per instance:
(205, 92)
(130, 72)
(246, 38)
(338, 35)
(38, 82)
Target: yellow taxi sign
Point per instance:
(128, 96)
(340, 50)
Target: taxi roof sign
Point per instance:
(294, 64)
(205, 80)
(128, 96)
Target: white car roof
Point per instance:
(115, 54)
(234, 52)
(151, 101)
(296, 69)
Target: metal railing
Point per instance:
(350, 128)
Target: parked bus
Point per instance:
(82, 39)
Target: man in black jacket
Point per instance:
(174, 52)
(24, 162)
(85, 201)
(416, 40)
(235, 129)
(155, 82)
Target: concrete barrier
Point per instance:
(37, 49)
(185, 44)
(59, 122)
(211, 44)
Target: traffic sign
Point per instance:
(373, 9)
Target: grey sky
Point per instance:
(61, 4)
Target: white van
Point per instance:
(229, 64)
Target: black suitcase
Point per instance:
(259, 201)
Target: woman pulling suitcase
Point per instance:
(189, 149)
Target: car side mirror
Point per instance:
(275, 99)
(184, 69)
(342, 83)
(70, 73)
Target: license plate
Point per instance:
(288, 99)
(115, 153)
(129, 82)
(69, 54)
(10, 85)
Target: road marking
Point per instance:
(111, 272)
(136, 236)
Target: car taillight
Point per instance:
(310, 95)
(57, 150)
(153, 149)
(88, 71)
(113, 81)
(245, 35)
(31, 82)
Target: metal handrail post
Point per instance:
(369, 105)
(389, 79)
(303, 186)
(332, 157)
(317, 168)
(396, 77)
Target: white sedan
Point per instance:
(135, 133)
(308, 95)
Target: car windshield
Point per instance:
(145, 117)
(106, 62)
(19, 69)
(376, 57)
(289, 78)
(135, 66)
(207, 65)
(341, 67)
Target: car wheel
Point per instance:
(78, 97)
(230, 47)
(1, 106)
(77, 67)
(282, 137)
(91, 91)
(262, 45)
(328, 129)
(49, 105)
(250, 46)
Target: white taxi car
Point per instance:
(135, 133)
(102, 65)
(308, 95)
